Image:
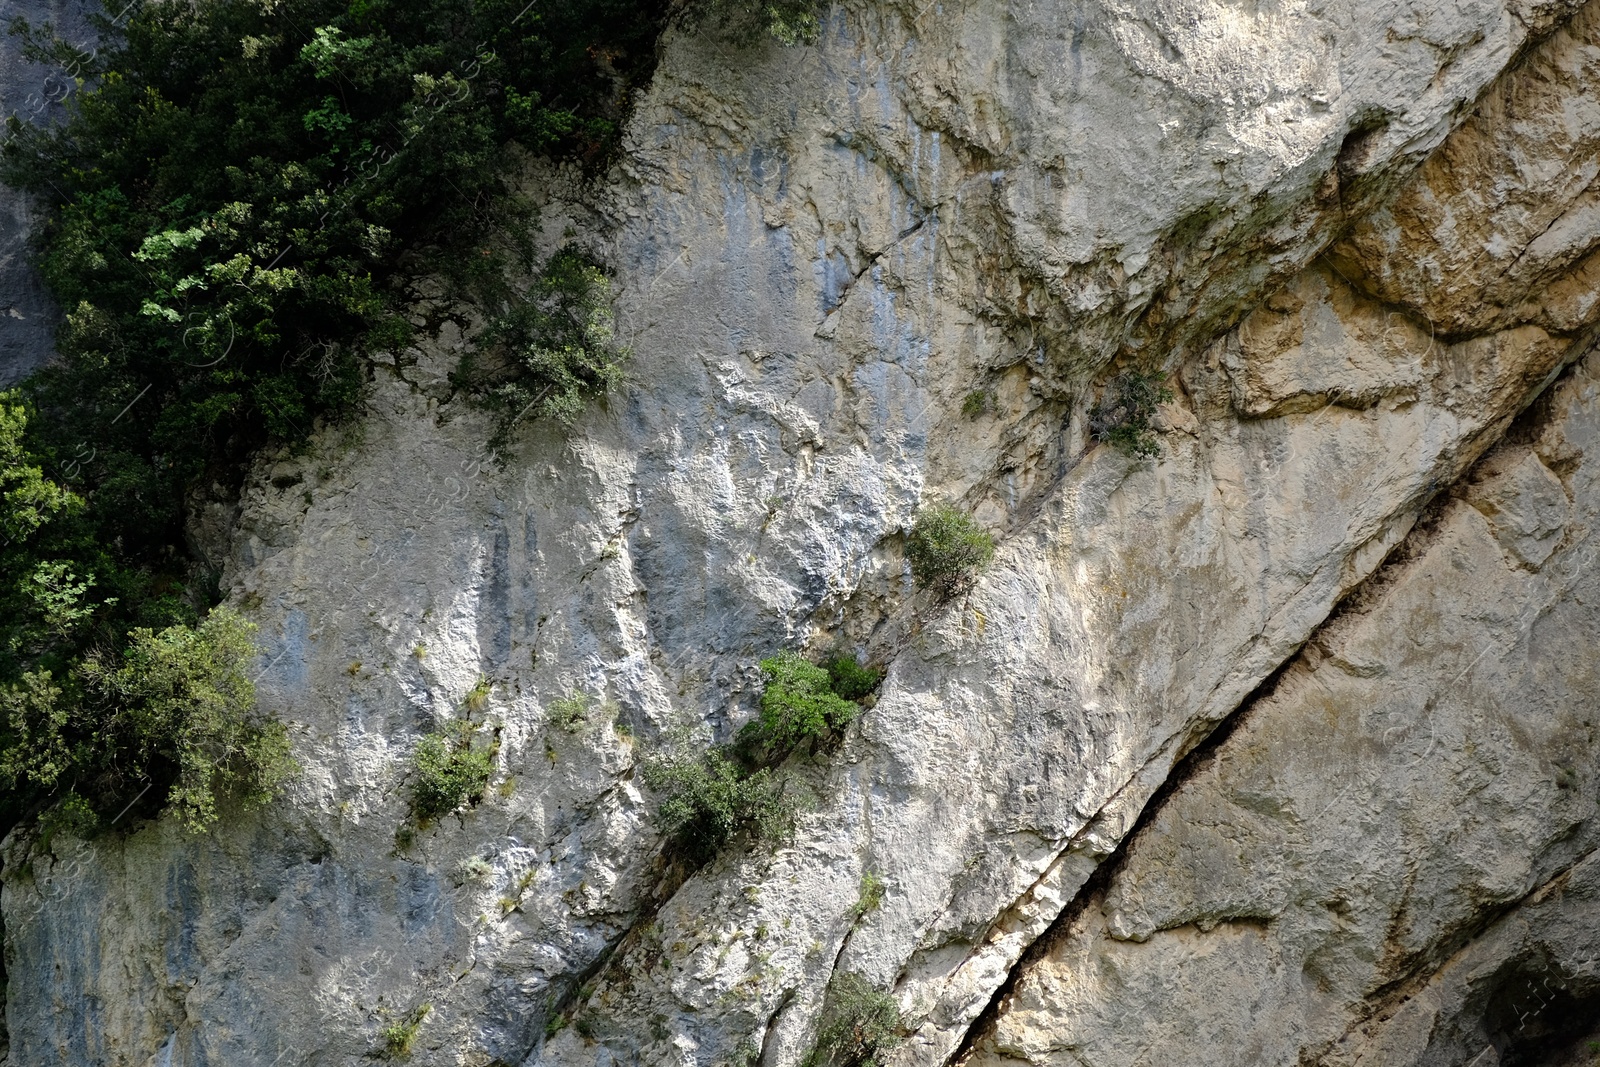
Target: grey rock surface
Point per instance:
(1391, 858)
(820, 254)
(27, 313)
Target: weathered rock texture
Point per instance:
(33, 94)
(821, 253)
(1318, 889)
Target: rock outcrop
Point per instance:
(1359, 238)
(33, 94)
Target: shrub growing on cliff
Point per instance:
(398, 1037)
(798, 706)
(850, 679)
(788, 21)
(174, 708)
(858, 1025)
(947, 549)
(551, 351)
(708, 800)
(452, 767)
(1122, 418)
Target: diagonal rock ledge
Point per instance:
(1391, 917)
(642, 558)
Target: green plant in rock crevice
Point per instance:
(848, 678)
(798, 706)
(398, 1037)
(977, 404)
(871, 895)
(947, 549)
(790, 22)
(451, 767)
(1122, 417)
(551, 350)
(708, 800)
(858, 1025)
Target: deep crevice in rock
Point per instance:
(1522, 428)
(1195, 761)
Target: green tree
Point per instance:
(176, 707)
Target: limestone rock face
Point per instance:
(1390, 858)
(33, 94)
(822, 254)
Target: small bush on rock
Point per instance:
(708, 800)
(452, 768)
(1123, 417)
(398, 1037)
(798, 705)
(871, 898)
(947, 549)
(849, 678)
(859, 1024)
(570, 712)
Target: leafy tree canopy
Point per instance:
(237, 195)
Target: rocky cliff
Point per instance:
(33, 94)
(1278, 748)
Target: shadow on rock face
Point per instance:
(1539, 1018)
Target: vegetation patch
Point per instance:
(788, 21)
(1122, 417)
(977, 404)
(570, 712)
(798, 706)
(174, 708)
(398, 1037)
(708, 800)
(858, 1025)
(947, 549)
(451, 768)
(848, 678)
(240, 197)
(871, 897)
(551, 351)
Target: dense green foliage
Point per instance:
(947, 549)
(708, 800)
(451, 767)
(240, 195)
(1123, 417)
(110, 686)
(789, 21)
(237, 193)
(848, 678)
(552, 352)
(175, 708)
(798, 706)
(858, 1025)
